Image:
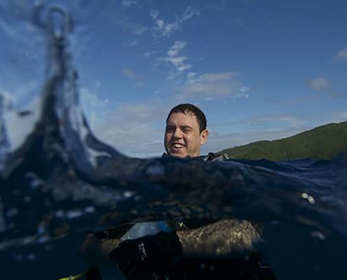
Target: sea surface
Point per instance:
(59, 182)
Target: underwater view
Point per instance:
(60, 181)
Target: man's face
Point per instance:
(182, 135)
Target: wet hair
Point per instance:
(189, 108)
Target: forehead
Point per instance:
(182, 119)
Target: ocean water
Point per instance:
(59, 181)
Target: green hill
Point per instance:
(323, 142)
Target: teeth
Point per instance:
(177, 145)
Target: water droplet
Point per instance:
(12, 212)
(311, 200)
(31, 257)
(34, 180)
(27, 199)
(89, 209)
(155, 170)
(128, 194)
(75, 213)
(304, 195)
(41, 230)
(318, 235)
(59, 214)
(43, 239)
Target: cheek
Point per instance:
(167, 138)
(191, 140)
(188, 138)
(192, 137)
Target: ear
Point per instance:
(204, 136)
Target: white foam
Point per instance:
(19, 127)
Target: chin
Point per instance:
(179, 155)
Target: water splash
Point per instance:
(4, 142)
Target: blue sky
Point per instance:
(260, 70)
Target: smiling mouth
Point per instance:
(177, 146)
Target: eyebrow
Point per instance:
(186, 126)
(181, 127)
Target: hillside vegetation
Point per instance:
(323, 142)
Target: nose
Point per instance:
(178, 133)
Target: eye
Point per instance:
(186, 129)
(170, 129)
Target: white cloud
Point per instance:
(342, 115)
(176, 48)
(134, 43)
(165, 29)
(275, 121)
(133, 129)
(159, 23)
(132, 75)
(212, 85)
(131, 43)
(175, 60)
(92, 99)
(154, 14)
(256, 128)
(243, 92)
(319, 84)
(136, 129)
(262, 122)
(128, 3)
(218, 142)
(93, 106)
(21, 93)
(7, 99)
(239, 22)
(127, 23)
(339, 116)
(323, 85)
(215, 77)
(342, 54)
(183, 67)
(150, 54)
(97, 83)
(11, 30)
(191, 75)
(139, 29)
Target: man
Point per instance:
(181, 250)
(185, 131)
